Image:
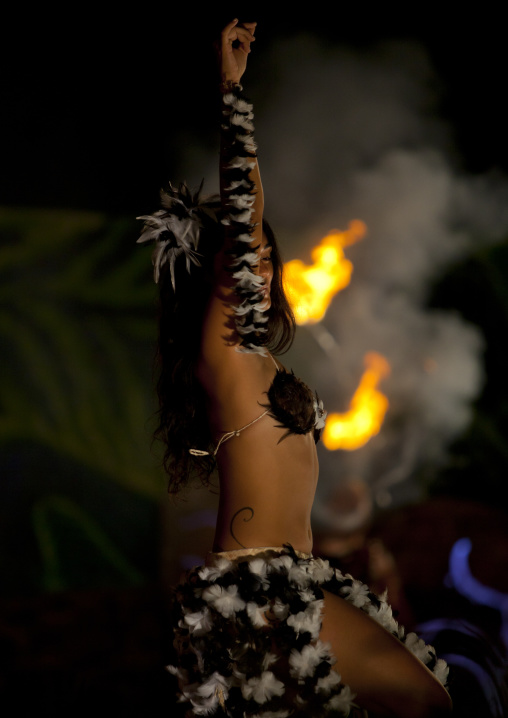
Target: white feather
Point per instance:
(263, 688)
(242, 163)
(225, 600)
(234, 185)
(343, 702)
(304, 663)
(199, 622)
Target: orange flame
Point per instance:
(310, 289)
(367, 409)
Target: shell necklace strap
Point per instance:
(226, 436)
(274, 361)
(236, 432)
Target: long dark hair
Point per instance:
(183, 421)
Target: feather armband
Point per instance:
(238, 159)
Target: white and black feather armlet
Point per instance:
(238, 159)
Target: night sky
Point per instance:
(94, 105)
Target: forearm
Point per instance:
(239, 170)
(240, 180)
(227, 153)
(259, 200)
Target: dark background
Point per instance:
(96, 109)
(94, 100)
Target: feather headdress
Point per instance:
(176, 228)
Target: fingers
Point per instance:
(250, 26)
(234, 49)
(230, 25)
(244, 34)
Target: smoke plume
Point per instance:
(349, 134)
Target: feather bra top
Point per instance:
(294, 406)
(291, 403)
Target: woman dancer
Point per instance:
(263, 629)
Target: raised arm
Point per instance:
(236, 318)
(232, 55)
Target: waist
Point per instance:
(236, 554)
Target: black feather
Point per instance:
(291, 402)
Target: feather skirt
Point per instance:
(247, 636)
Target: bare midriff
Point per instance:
(267, 482)
(266, 489)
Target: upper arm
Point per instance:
(218, 335)
(232, 307)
